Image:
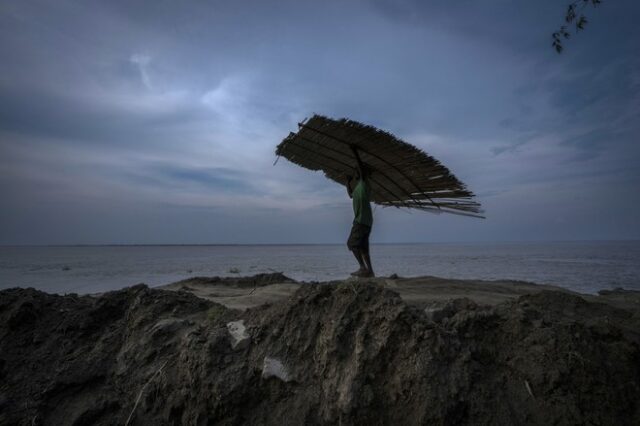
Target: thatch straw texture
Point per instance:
(402, 175)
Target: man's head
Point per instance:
(366, 172)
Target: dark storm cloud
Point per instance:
(36, 113)
(217, 179)
(169, 111)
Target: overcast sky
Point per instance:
(157, 121)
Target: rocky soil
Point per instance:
(340, 353)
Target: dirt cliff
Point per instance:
(330, 354)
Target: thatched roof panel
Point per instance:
(402, 175)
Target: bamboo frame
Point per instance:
(418, 180)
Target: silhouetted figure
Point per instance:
(358, 241)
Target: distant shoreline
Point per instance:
(323, 244)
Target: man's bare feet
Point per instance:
(358, 273)
(363, 273)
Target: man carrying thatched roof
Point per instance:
(358, 241)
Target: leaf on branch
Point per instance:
(581, 23)
(557, 44)
(571, 13)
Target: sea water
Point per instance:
(581, 266)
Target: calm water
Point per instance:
(581, 266)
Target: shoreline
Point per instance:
(423, 291)
(581, 267)
(339, 243)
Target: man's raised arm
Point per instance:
(360, 166)
(349, 190)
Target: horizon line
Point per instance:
(309, 244)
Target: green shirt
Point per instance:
(361, 206)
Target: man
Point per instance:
(358, 241)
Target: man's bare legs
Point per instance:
(367, 260)
(358, 255)
(364, 260)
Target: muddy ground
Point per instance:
(352, 352)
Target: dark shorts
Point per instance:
(359, 237)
